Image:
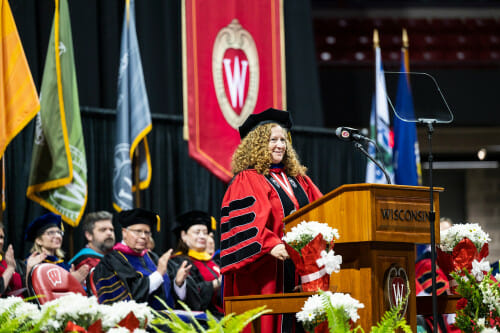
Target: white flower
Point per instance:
(478, 269)
(6, 303)
(19, 308)
(118, 330)
(331, 261)
(452, 236)
(311, 229)
(29, 310)
(489, 330)
(314, 307)
(52, 325)
(481, 322)
(349, 304)
(490, 296)
(82, 310)
(117, 311)
(74, 307)
(125, 330)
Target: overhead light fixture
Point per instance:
(481, 154)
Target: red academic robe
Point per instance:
(210, 271)
(15, 283)
(251, 226)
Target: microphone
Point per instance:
(351, 134)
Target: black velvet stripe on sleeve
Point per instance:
(424, 277)
(240, 255)
(237, 204)
(240, 237)
(237, 221)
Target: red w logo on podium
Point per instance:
(396, 287)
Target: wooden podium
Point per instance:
(379, 226)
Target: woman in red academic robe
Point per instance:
(10, 280)
(269, 184)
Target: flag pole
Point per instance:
(406, 42)
(376, 44)
(137, 178)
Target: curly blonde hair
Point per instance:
(37, 248)
(253, 152)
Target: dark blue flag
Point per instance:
(133, 118)
(406, 152)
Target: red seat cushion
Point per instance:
(52, 282)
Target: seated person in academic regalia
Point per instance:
(100, 234)
(45, 232)
(130, 273)
(204, 280)
(11, 282)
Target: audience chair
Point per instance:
(50, 281)
(91, 288)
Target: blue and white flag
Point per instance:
(133, 117)
(380, 130)
(406, 151)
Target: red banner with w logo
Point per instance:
(234, 65)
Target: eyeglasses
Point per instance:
(53, 233)
(140, 232)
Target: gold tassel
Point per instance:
(214, 223)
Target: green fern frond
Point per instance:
(193, 319)
(237, 323)
(230, 323)
(21, 323)
(338, 322)
(213, 325)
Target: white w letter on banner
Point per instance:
(398, 289)
(236, 80)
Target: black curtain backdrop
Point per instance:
(178, 182)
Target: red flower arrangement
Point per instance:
(460, 245)
(130, 322)
(310, 246)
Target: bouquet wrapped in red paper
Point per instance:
(310, 246)
(460, 245)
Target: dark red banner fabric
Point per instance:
(233, 64)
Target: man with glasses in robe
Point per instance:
(129, 272)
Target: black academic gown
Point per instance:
(119, 277)
(198, 291)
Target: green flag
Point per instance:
(58, 174)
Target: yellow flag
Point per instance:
(18, 97)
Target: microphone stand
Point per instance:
(432, 220)
(360, 147)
